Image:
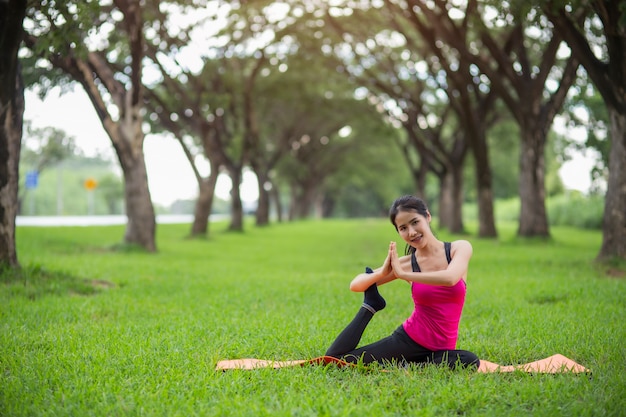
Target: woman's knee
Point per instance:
(457, 359)
(469, 360)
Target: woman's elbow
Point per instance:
(451, 282)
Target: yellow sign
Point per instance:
(91, 184)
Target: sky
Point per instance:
(170, 176)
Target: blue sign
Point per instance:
(32, 179)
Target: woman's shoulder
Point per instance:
(461, 245)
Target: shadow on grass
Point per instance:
(612, 267)
(33, 282)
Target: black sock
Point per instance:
(372, 297)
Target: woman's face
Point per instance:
(413, 227)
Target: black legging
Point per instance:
(398, 348)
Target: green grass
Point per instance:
(89, 329)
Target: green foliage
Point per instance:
(571, 209)
(574, 209)
(59, 27)
(506, 210)
(42, 148)
(148, 345)
(586, 110)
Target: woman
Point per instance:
(437, 272)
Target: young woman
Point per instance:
(437, 272)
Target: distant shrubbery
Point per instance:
(575, 209)
(569, 209)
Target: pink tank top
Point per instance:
(434, 323)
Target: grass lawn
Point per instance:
(91, 329)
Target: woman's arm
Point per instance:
(461, 253)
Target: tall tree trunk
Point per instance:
(328, 206)
(204, 203)
(456, 220)
(302, 201)
(484, 186)
(236, 207)
(293, 201)
(614, 223)
(11, 118)
(451, 200)
(263, 206)
(533, 218)
(141, 226)
(275, 196)
(419, 179)
(318, 207)
(445, 200)
(309, 203)
(128, 138)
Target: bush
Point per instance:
(569, 209)
(575, 209)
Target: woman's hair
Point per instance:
(407, 203)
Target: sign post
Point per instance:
(32, 180)
(90, 186)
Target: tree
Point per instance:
(207, 107)
(304, 95)
(520, 54)
(469, 98)
(11, 116)
(319, 149)
(111, 74)
(214, 104)
(393, 70)
(607, 69)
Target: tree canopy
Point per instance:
(305, 93)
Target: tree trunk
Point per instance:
(456, 220)
(445, 201)
(11, 119)
(419, 179)
(263, 205)
(293, 200)
(614, 222)
(451, 200)
(204, 203)
(141, 226)
(328, 206)
(275, 196)
(302, 201)
(236, 207)
(484, 185)
(533, 219)
(318, 207)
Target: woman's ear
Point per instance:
(428, 216)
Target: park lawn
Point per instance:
(94, 329)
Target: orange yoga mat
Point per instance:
(551, 365)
